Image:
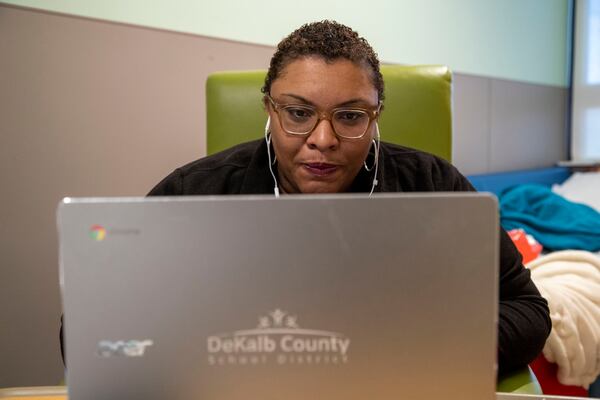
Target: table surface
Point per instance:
(35, 397)
(60, 393)
(34, 393)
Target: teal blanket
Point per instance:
(555, 222)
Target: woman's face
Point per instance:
(320, 162)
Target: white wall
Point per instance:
(523, 40)
(585, 143)
(90, 108)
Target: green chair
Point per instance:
(417, 113)
(417, 108)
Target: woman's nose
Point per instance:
(323, 137)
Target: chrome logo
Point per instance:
(97, 232)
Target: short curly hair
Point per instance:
(329, 40)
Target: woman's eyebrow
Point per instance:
(300, 98)
(351, 102)
(355, 102)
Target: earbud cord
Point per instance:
(377, 144)
(268, 140)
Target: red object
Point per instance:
(529, 251)
(545, 372)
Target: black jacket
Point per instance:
(524, 321)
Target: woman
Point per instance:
(323, 95)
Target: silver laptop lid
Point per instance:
(337, 297)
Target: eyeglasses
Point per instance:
(300, 120)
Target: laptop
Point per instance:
(335, 297)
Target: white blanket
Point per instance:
(570, 281)
(581, 187)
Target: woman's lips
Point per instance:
(320, 169)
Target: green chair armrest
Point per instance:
(519, 381)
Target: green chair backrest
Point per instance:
(417, 108)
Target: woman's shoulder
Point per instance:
(417, 170)
(408, 155)
(238, 156)
(219, 173)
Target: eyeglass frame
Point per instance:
(326, 115)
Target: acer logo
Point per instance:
(125, 348)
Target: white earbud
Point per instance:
(268, 140)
